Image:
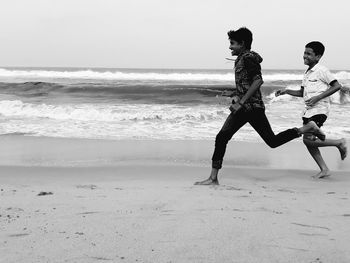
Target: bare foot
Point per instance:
(209, 181)
(316, 130)
(343, 149)
(322, 174)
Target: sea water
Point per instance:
(148, 104)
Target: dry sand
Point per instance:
(121, 207)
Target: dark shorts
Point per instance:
(319, 119)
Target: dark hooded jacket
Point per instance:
(248, 69)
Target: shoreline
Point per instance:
(20, 150)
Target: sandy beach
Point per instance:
(70, 200)
(109, 113)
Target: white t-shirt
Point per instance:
(315, 82)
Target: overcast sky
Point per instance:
(169, 33)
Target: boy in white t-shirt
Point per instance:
(318, 84)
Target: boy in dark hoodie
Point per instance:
(247, 104)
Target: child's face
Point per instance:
(236, 48)
(310, 58)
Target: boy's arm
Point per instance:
(335, 86)
(252, 89)
(295, 93)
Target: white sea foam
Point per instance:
(144, 121)
(112, 75)
(157, 76)
(111, 121)
(110, 113)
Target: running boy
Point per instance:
(318, 84)
(247, 104)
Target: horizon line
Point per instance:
(138, 68)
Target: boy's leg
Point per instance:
(313, 143)
(339, 143)
(316, 155)
(212, 180)
(232, 124)
(313, 128)
(261, 124)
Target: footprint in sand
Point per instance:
(88, 213)
(311, 226)
(232, 188)
(285, 190)
(19, 235)
(167, 212)
(87, 186)
(45, 193)
(101, 258)
(313, 234)
(317, 260)
(271, 211)
(15, 209)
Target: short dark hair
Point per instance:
(317, 47)
(242, 35)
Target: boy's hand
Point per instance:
(235, 107)
(345, 89)
(312, 101)
(280, 92)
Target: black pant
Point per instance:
(258, 120)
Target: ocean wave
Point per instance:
(109, 113)
(181, 93)
(147, 76)
(146, 121)
(116, 92)
(178, 94)
(110, 87)
(167, 113)
(113, 75)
